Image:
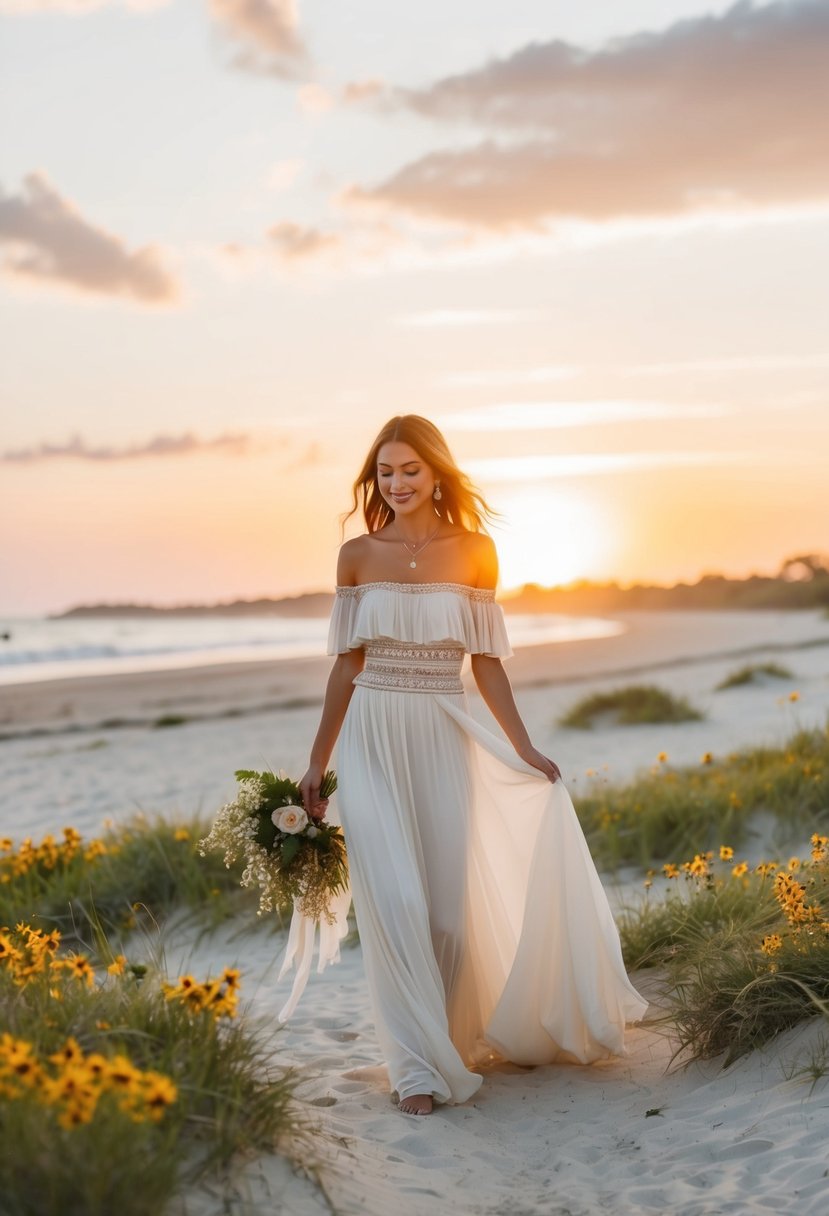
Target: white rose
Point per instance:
(312, 832)
(290, 819)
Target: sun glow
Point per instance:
(550, 536)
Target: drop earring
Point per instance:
(436, 493)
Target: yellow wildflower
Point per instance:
(181, 834)
(740, 869)
(116, 967)
(726, 852)
(159, 1092)
(771, 943)
(706, 758)
(670, 870)
(794, 696)
(662, 757)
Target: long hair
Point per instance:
(460, 502)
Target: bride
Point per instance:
(484, 928)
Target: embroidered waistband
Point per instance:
(412, 667)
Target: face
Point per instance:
(405, 481)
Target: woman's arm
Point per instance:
(493, 682)
(337, 696)
(338, 693)
(496, 690)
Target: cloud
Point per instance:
(295, 243)
(548, 415)
(266, 34)
(739, 363)
(717, 112)
(50, 241)
(160, 445)
(357, 91)
(586, 464)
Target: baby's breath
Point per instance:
(305, 868)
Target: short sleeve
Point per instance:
(343, 617)
(489, 632)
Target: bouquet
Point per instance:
(292, 858)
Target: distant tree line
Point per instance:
(801, 582)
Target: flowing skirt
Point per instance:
(483, 923)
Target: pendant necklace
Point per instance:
(418, 546)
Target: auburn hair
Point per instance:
(460, 501)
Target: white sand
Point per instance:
(560, 1139)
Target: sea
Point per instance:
(45, 648)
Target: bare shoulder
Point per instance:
(484, 556)
(352, 553)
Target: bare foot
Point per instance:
(417, 1104)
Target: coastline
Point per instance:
(650, 642)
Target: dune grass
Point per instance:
(744, 952)
(633, 705)
(668, 812)
(752, 672)
(131, 1095)
(147, 866)
(118, 1089)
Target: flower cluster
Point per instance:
(289, 857)
(74, 1084)
(47, 856)
(219, 997)
(26, 952)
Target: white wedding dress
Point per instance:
(483, 923)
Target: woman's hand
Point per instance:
(309, 788)
(548, 767)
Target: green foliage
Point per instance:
(146, 863)
(743, 955)
(230, 1100)
(658, 932)
(669, 812)
(750, 674)
(638, 703)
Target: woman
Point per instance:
(483, 924)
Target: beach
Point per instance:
(628, 1135)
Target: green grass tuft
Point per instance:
(750, 674)
(634, 705)
(669, 812)
(147, 866)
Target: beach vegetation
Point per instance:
(752, 673)
(146, 867)
(630, 706)
(673, 811)
(743, 950)
(119, 1090)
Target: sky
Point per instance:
(591, 242)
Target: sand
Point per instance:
(559, 1139)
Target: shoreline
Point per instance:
(650, 641)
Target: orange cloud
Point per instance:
(51, 241)
(715, 111)
(159, 445)
(266, 33)
(295, 243)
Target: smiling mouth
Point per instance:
(403, 497)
